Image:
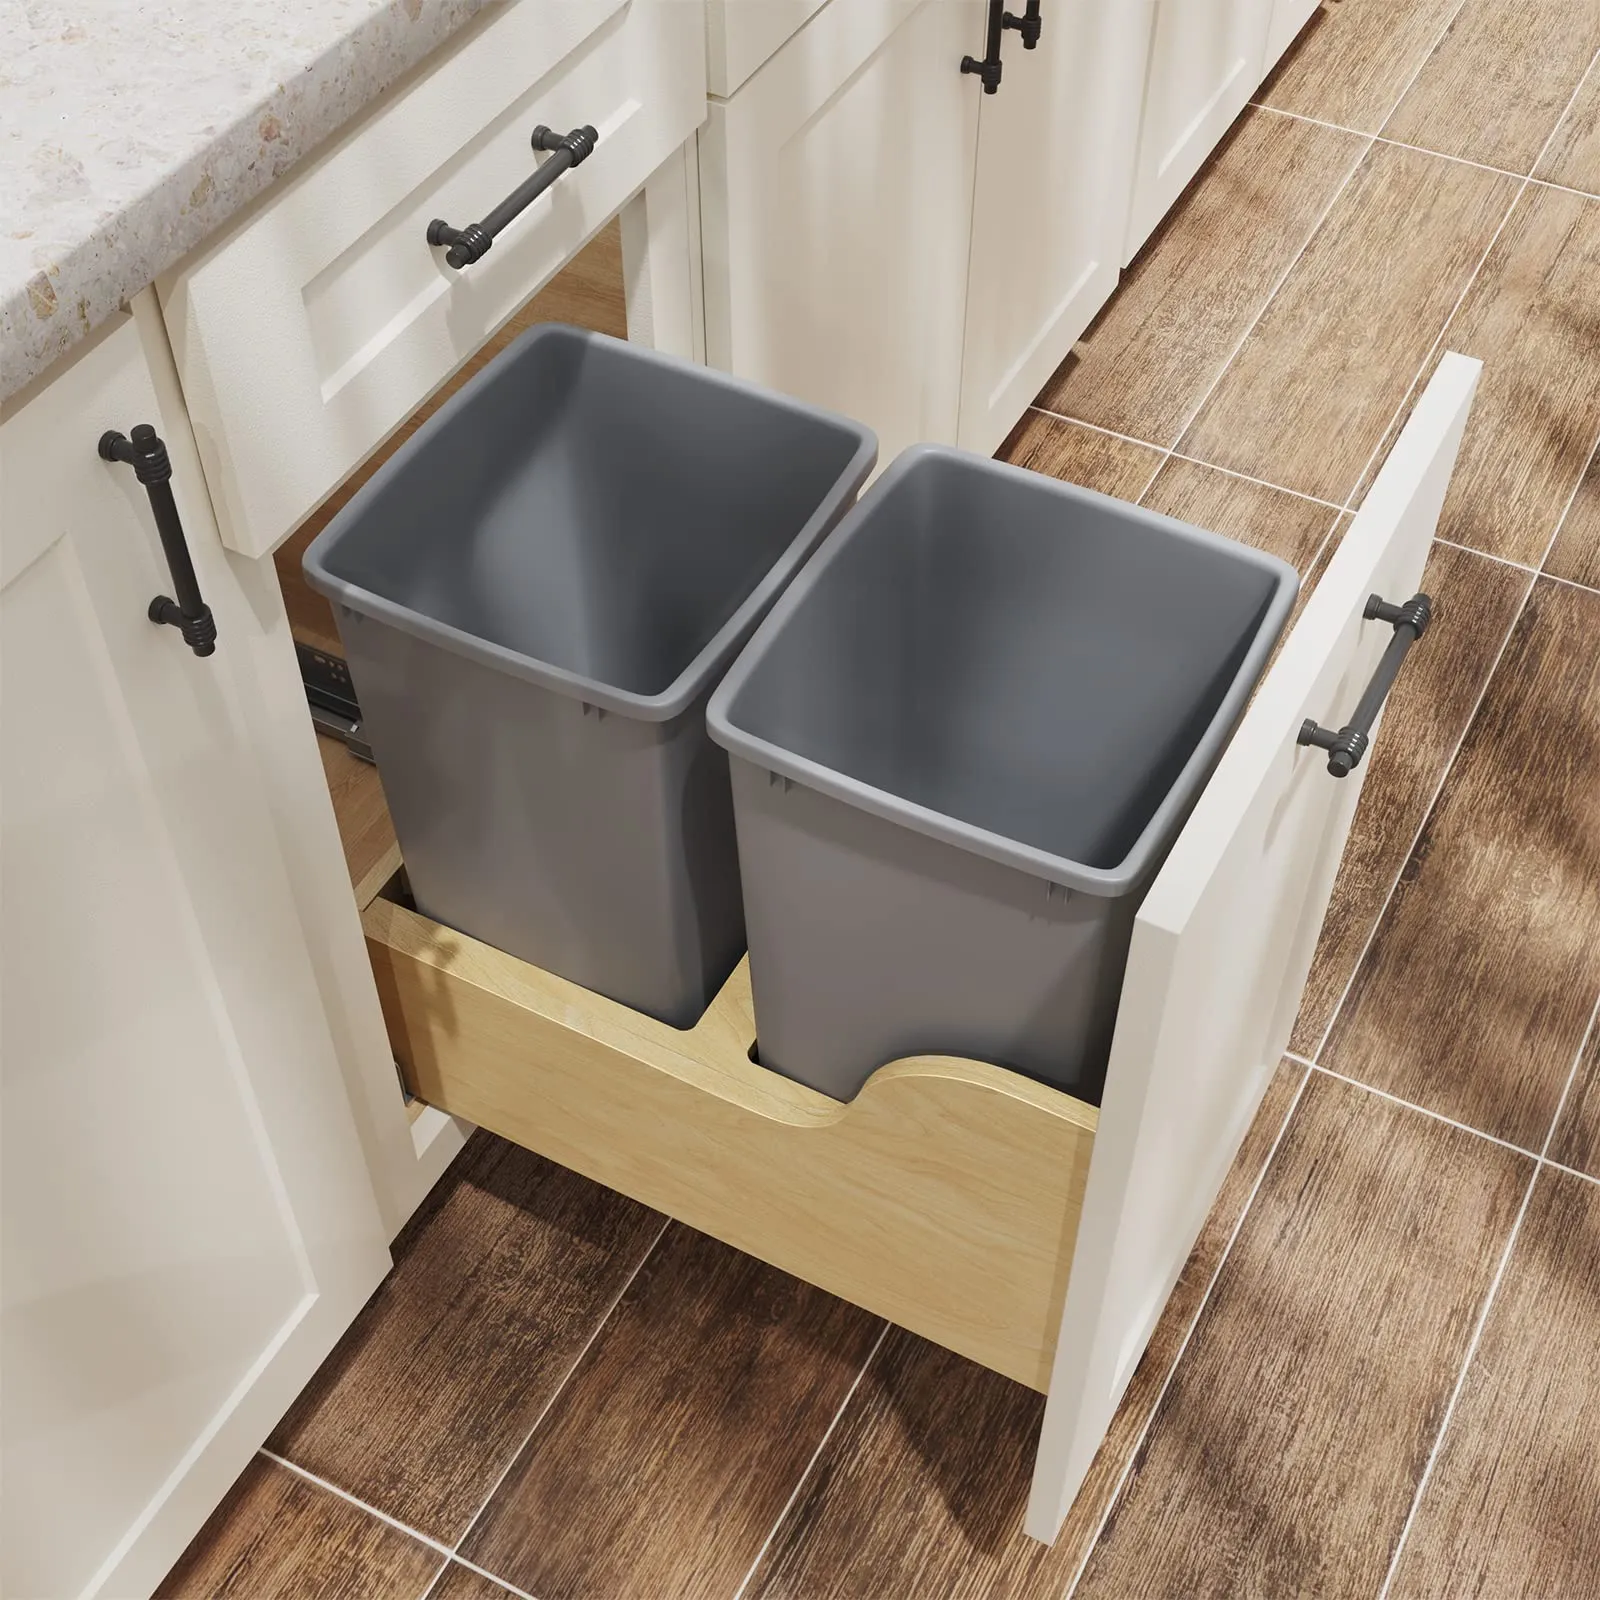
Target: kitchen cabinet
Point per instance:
(1206, 58)
(188, 1219)
(836, 201)
(883, 237)
(1055, 158)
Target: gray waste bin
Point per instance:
(962, 743)
(536, 594)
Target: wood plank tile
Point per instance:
(1475, 603)
(1513, 1506)
(1080, 455)
(457, 1582)
(1273, 520)
(1474, 995)
(365, 828)
(1497, 84)
(1577, 1137)
(1314, 388)
(499, 1282)
(1532, 316)
(920, 1490)
(1575, 555)
(1286, 1452)
(278, 1537)
(1202, 278)
(671, 1452)
(1574, 154)
(1353, 61)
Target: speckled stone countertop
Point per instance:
(130, 131)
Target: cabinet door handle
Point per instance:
(1346, 747)
(991, 68)
(189, 614)
(472, 242)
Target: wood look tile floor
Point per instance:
(1379, 1374)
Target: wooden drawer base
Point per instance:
(944, 1197)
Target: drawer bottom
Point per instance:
(945, 1197)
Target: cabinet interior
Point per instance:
(587, 292)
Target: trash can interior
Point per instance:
(1017, 660)
(596, 510)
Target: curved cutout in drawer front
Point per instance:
(315, 326)
(944, 1197)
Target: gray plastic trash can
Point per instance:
(962, 743)
(536, 594)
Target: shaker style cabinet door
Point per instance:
(188, 1225)
(836, 200)
(1206, 60)
(1055, 161)
(1221, 947)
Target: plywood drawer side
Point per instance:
(945, 1197)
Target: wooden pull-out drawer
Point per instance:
(950, 1196)
(312, 328)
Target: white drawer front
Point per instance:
(314, 327)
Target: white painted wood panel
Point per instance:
(187, 1220)
(1221, 948)
(1206, 58)
(742, 34)
(836, 201)
(1288, 18)
(315, 326)
(1055, 159)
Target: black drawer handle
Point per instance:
(992, 68)
(1346, 747)
(189, 614)
(472, 242)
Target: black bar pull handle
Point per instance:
(189, 614)
(1028, 25)
(472, 242)
(1346, 747)
(990, 67)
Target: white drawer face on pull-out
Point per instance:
(307, 333)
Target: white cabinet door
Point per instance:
(1220, 952)
(1205, 62)
(187, 1221)
(1288, 18)
(836, 197)
(1055, 160)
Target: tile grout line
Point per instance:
(816, 1455)
(1566, 511)
(1541, 1161)
(1460, 1383)
(1422, 149)
(1177, 1359)
(555, 1394)
(1411, 1105)
(1522, 566)
(436, 1545)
